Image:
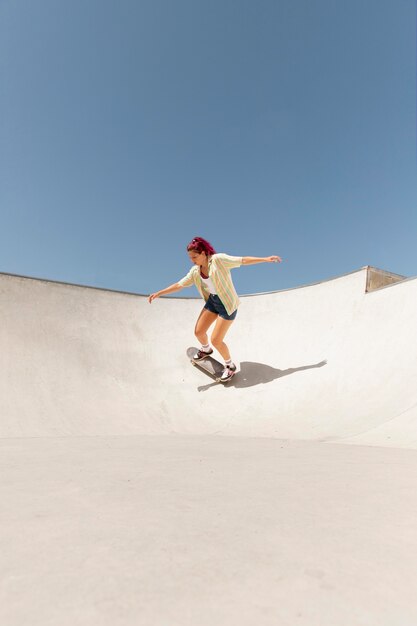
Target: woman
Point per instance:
(211, 275)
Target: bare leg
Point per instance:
(205, 320)
(219, 333)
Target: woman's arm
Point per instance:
(171, 289)
(251, 260)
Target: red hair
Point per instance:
(198, 244)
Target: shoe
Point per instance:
(228, 372)
(200, 355)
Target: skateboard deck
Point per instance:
(209, 365)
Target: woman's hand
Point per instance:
(273, 259)
(153, 296)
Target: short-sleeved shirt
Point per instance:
(219, 267)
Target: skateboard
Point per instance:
(211, 366)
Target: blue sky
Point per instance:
(269, 127)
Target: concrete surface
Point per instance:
(134, 490)
(380, 278)
(327, 362)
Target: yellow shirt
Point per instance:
(219, 267)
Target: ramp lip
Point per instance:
(246, 295)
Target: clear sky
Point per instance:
(266, 126)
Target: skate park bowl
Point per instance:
(137, 490)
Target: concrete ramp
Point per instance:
(327, 362)
(135, 490)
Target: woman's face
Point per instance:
(198, 258)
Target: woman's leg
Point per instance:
(218, 335)
(205, 320)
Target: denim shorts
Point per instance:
(215, 305)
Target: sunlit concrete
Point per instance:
(135, 490)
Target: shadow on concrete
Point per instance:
(251, 374)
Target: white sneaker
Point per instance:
(228, 372)
(201, 354)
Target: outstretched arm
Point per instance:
(251, 260)
(171, 289)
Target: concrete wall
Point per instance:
(323, 362)
(377, 279)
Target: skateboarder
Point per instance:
(211, 275)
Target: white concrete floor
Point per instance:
(206, 531)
